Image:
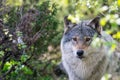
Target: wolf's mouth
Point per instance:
(80, 57)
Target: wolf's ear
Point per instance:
(94, 23)
(68, 24)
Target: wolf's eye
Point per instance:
(74, 38)
(87, 39)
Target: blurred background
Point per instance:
(31, 30)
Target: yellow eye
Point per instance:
(87, 39)
(74, 38)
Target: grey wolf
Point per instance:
(82, 59)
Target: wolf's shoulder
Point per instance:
(107, 37)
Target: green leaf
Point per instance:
(14, 2)
(7, 66)
(118, 2)
(26, 70)
(103, 22)
(24, 58)
(117, 35)
(1, 53)
(24, 46)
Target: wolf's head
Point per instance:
(78, 37)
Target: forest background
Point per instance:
(31, 30)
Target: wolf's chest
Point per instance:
(86, 70)
(79, 69)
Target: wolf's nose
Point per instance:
(80, 53)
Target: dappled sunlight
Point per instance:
(106, 77)
(51, 54)
(14, 2)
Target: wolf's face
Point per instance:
(78, 37)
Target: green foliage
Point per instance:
(22, 67)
